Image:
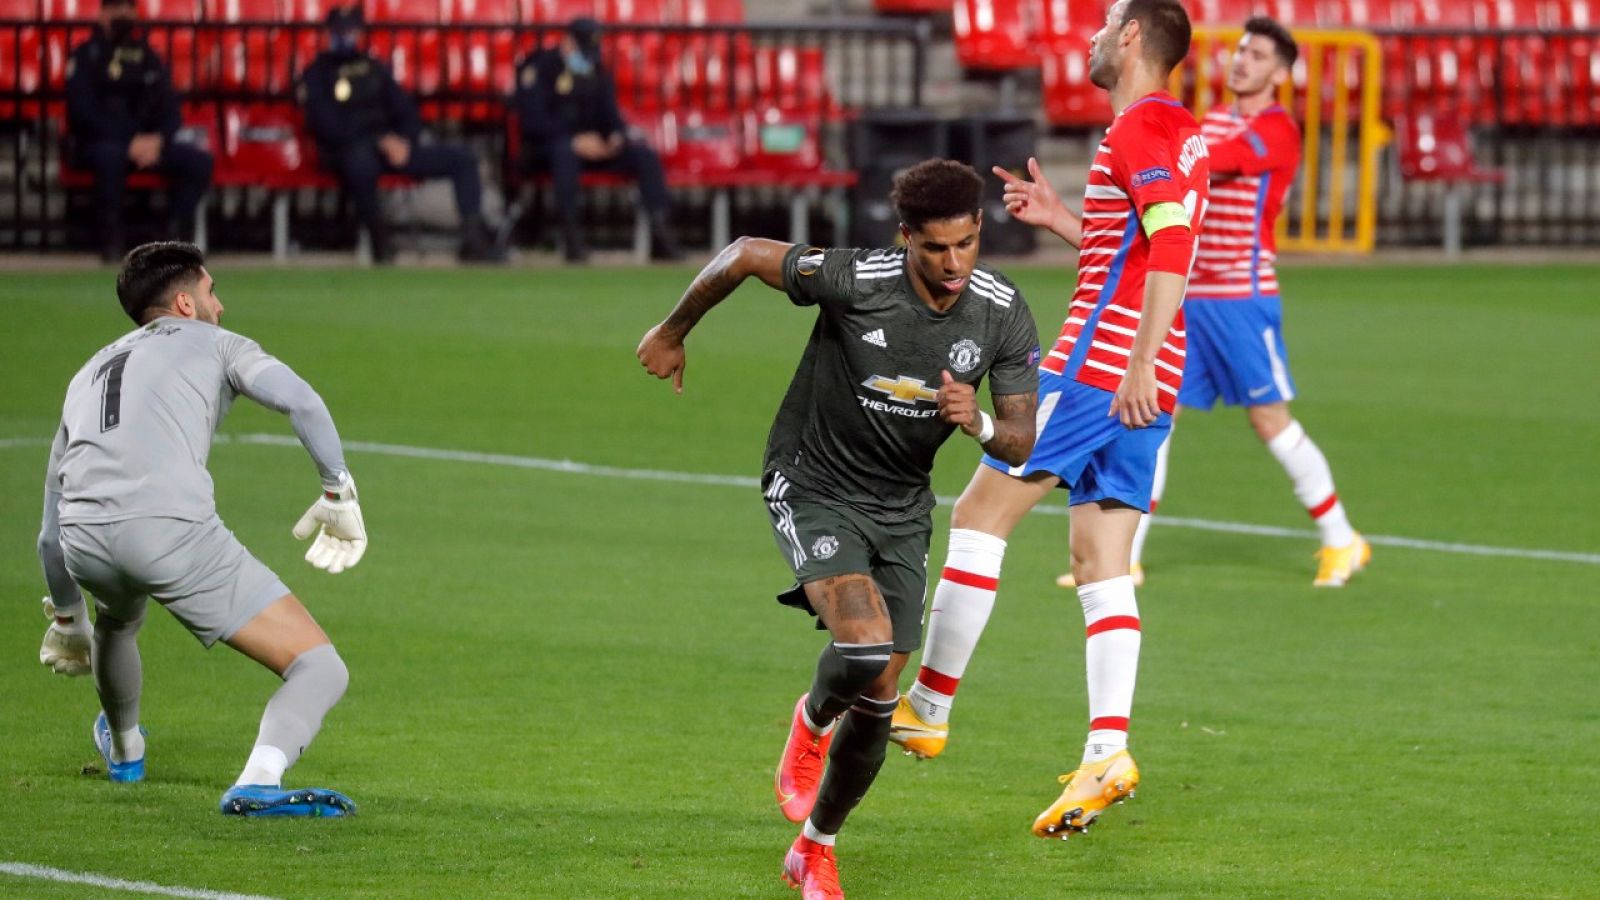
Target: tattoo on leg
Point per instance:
(852, 598)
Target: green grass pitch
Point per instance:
(569, 685)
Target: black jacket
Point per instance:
(551, 101)
(351, 99)
(116, 91)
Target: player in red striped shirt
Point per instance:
(1106, 393)
(1234, 314)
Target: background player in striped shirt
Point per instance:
(902, 338)
(1234, 314)
(1106, 393)
(130, 513)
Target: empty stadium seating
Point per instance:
(20, 69)
(1436, 147)
(995, 35)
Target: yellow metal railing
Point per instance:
(1326, 213)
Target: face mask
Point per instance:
(579, 63)
(344, 43)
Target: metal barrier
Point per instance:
(1335, 96)
(461, 76)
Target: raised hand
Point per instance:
(958, 404)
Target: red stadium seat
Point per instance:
(20, 68)
(638, 60)
(255, 59)
(793, 78)
(411, 53)
(1576, 59)
(1437, 148)
(261, 146)
(489, 12)
(557, 12)
(637, 12)
(711, 12)
(700, 144)
(424, 11)
(910, 7)
(480, 61)
(176, 47)
(995, 35)
(308, 10)
(1225, 12)
(781, 142)
(1063, 18)
(1293, 13)
(1069, 98)
(712, 73)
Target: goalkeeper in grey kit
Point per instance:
(129, 514)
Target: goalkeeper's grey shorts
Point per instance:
(198, 570)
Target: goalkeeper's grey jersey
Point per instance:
(138, 420)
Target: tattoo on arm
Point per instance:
(1014, 427)
(713, 285)
(737, 261)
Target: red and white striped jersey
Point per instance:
(1253, 161)
(1152, 154)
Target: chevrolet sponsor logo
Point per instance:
(902, 389)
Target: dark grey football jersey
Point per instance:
(860, 423)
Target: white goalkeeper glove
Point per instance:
(335, 519)
(68, 640)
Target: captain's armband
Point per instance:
(1163, 215)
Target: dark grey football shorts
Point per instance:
(821, 538)
(198, 570)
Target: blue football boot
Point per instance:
(270, 800)
(122, 772)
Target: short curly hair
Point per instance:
(936, 189)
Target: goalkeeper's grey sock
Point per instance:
(119, 679)
(312, 684)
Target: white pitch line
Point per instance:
(46, 873)
(571, 467)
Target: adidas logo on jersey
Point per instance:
(875, 338)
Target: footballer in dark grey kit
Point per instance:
(129, 514)
(903, 338)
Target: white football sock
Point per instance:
(812, 834)
(1156, 490)
(1111, 658)
(962, 603)
(1313, 483)
(127, 746)
(818, 730)
(265, 766)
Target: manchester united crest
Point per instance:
(964, 356)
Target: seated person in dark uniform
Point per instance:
(366, 125)
(567, 112)
(123, 113)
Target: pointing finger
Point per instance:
(1036, 171)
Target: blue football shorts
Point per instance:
(1236, 352)
(1095, 457)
